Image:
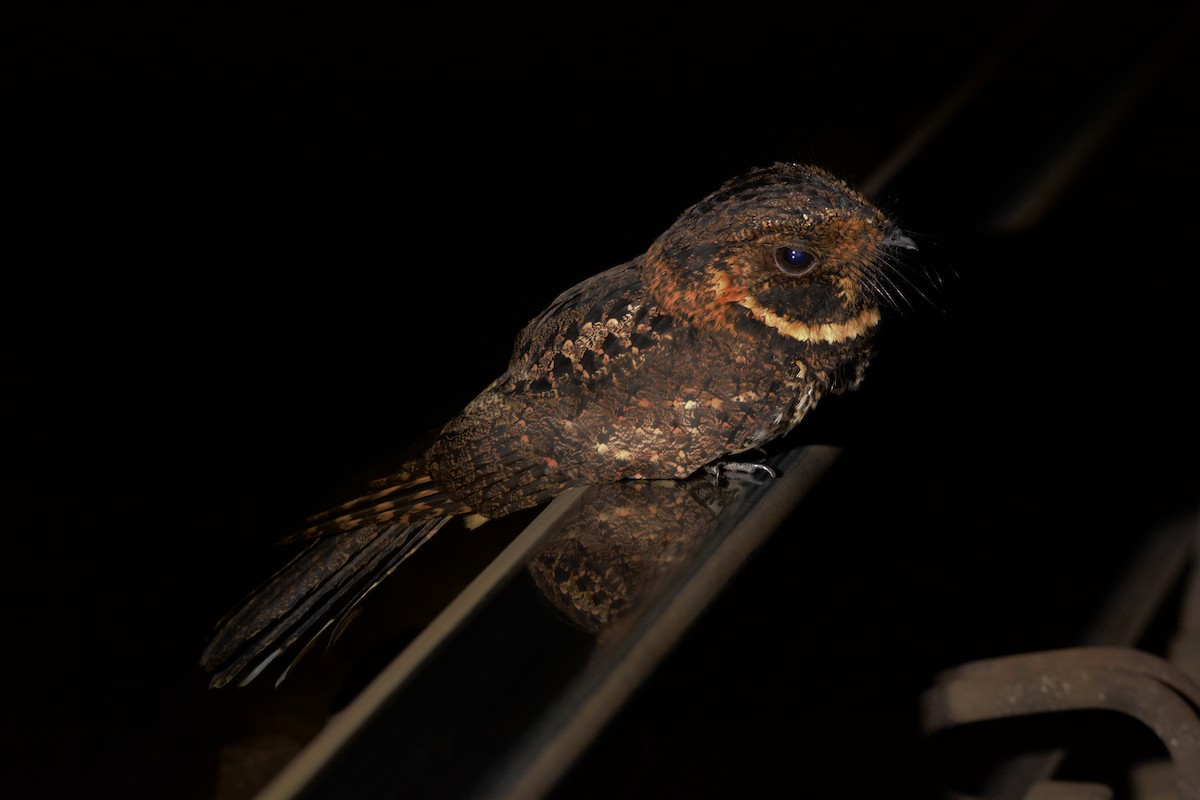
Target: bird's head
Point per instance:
(790, 248)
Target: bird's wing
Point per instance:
(354, 546)
(533, 432)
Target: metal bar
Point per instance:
(578, 717)
(1069, 160)
(569, 715)
(958, 692)
(1144, 589)
(1105, 678)
(341, 729)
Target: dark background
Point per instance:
(239, 281)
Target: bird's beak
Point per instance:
(898, 239)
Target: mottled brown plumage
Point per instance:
(616, 555)
(755, 303)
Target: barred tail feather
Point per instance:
(317, 589)
(424, 502)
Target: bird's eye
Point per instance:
(794, 260)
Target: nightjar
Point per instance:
(758, 301)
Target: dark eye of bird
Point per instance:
(794, 260)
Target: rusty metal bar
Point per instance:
(1116, 678)
(1103, 678)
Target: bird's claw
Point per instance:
(718, 469)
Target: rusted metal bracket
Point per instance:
(1118, 679)
(1106, 673)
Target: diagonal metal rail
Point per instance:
(604, 671)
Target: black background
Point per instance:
(240, 280)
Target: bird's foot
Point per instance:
(750, 469)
